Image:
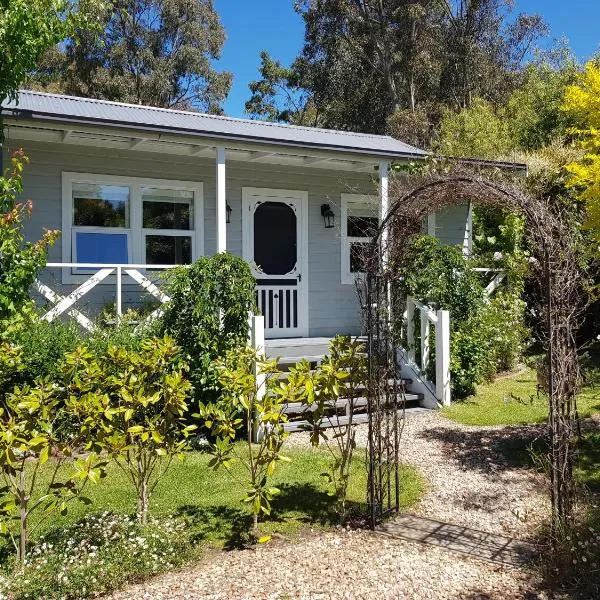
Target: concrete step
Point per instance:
(335, 421)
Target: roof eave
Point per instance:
(70, 119)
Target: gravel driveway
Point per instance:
(470, 483)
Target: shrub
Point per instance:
(28, 437)
(342, 374)
(208, 314)
(248, 402)
(486, 334)
(44, 345)
(139, 400)
(124, 334)
(98, 555)
(19, 261)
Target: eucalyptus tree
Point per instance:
(386, 65)
(155, 52)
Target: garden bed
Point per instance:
(194, 508)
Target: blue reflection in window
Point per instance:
(101, 247)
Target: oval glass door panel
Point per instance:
(275, 238)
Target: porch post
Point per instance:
(384, 196)
(468, 237)
(221, 201)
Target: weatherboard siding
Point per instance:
(333, 306)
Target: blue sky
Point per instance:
(272, 25)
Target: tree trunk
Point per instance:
(255, 533)
(22, 553)
(142, 491)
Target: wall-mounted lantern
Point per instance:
(328, 216)
(229, 210)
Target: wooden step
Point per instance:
(294, 408)
(328, 422)
(294, 360)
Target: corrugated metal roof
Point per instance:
(70, 108)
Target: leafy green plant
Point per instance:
(251, 400)
(20, 261)
(97, 555)
(43, 346)
(486, 334)
(140, 399)
(208, 314)
(29, 438)
(11, 367)
(342, 374)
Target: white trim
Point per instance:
(347, 276)
(431, 224)
(468, 235)
(250, 195)
(136, 233)
(221, 200)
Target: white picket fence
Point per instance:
(132, 273)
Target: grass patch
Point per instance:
(211, 501)
(513, 400)
(98, 548)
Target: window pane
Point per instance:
(167, 209)
(101, 248)
(275, 244)
(97, 205)
(168, 250)
(358, 254)
(362, 226)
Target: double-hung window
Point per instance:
(360, 221)
(110, 219)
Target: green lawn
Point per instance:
(513, 400)
(212, 500)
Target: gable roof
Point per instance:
(43, 106)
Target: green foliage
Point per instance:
(19, 261)
(29, 434)
(441, 276)
(123, 334)
(251, 400)
(139, 400)
(27, 30)
(533, 114)
(154, 52)
(44, 345)
(477, 131)
(364, 64)
(486, 334)
(208, 314)
(278, 95)
(342, 374)
(97, 555)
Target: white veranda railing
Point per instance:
(420, 359)
(65, 303)
(440, 322)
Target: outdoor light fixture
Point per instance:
(328, 216)
(229, 210)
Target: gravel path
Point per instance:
(470, 483)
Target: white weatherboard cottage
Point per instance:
(136, 188)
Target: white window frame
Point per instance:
(347, 276)
(135, 232)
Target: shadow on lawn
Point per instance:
(490, 450)
(302, 503)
